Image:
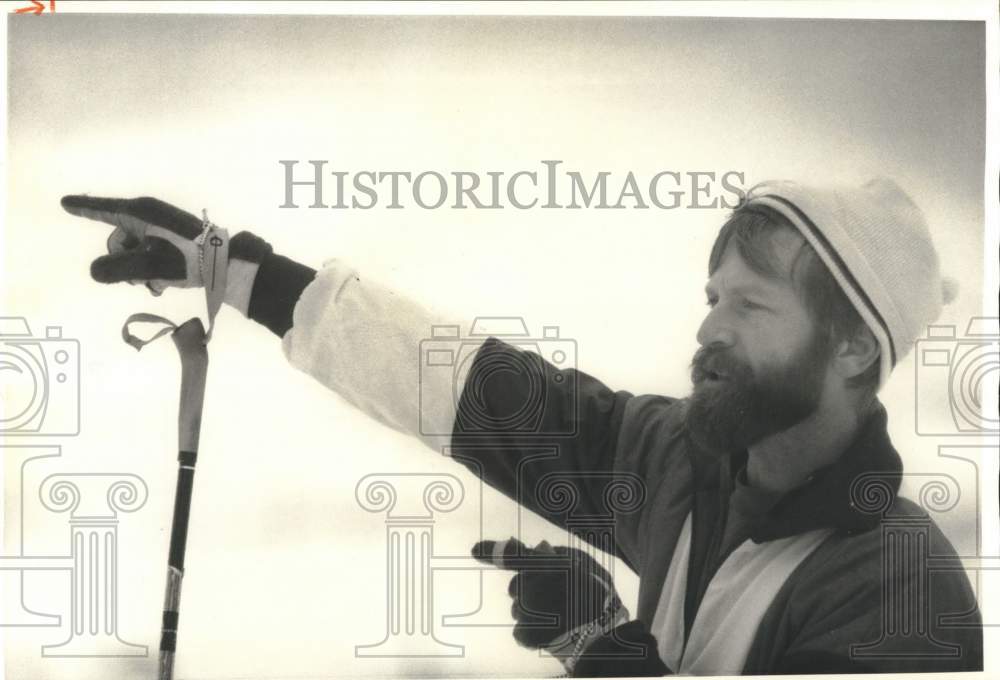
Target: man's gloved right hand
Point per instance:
(574, 592)
(590, 636)
(155, 243)
(563, 599)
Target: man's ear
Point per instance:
(856, 354)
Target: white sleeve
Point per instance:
(363, 341)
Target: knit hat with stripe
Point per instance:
(875, 242)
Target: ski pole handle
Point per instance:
(189, 338)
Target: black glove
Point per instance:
(154, 242)
(561, 595)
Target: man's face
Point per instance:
(761, 366)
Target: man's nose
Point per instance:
(716, 330)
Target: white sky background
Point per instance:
(285, 571)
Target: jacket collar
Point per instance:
(826, 501)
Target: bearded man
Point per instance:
(757, 544)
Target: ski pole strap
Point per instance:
(143, 317)
(213, 262)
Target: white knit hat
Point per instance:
(876, 243)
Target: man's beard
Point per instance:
(731, 408)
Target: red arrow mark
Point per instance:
(36, 7)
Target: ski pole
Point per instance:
(190, 341)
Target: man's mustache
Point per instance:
(713, 362)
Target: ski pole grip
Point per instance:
(189, 339)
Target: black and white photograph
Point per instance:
(499, 340)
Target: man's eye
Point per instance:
(750, 304)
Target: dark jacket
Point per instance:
(866, 600)
(883, 592)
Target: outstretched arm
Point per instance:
(525, 425)
(357, 338)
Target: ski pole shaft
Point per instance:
(190, 341)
